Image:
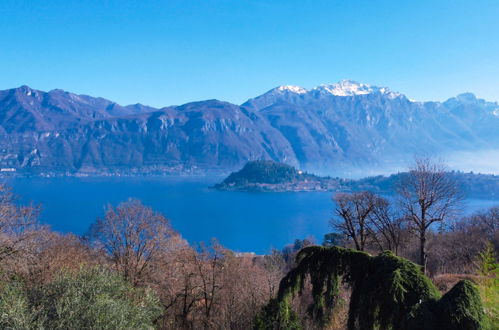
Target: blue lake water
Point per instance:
(253, 222)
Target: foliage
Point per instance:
(15, 309)
(388, 292)
(460, 308)
(333, 239)
(486, 261)
(89, 299)
(266, 172)
(277, 315)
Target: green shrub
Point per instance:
(486, 260)
(15, 309)
(461, 308)
(90, 299)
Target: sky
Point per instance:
(167, 52)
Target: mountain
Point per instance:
(63, 132)
(352, 123)
(24, 109)
(326, 129)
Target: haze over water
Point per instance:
(246, 222)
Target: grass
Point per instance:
(489, 292)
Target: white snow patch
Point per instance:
(292, 89)
(351, 88)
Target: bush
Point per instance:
(15, 310)
(89, 299)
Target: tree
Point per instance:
(179, 288)
(212, 287)
(289, 251)
(352, 216)
(19, 225)
(133, 235)
(274, 266)
(385, 226)
(486, 261)
(56, 251)
(455, 250)
(428, 195)
(388, 292)
(210, 263)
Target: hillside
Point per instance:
(264, 175)
(327, 129)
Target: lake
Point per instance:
(246, 222)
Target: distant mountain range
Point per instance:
(324, 129)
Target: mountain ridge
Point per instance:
(333, 126)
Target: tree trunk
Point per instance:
(422, 251)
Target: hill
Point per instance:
(265, 175)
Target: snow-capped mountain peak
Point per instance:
(352, 88)
(342, 88)
(297, 94)
(292, 89)
(345, 88)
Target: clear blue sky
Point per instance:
(162, 52)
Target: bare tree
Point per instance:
(18, 224)
(133, 235)
(428, 195)
(385, 225)
(352, 216)
(456, 249)
(212, 287)
(244, 291)
(210, 263)
(275, 268)
(53, 252)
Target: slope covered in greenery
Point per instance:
(269, 175)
